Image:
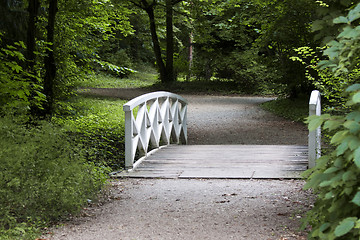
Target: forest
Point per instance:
(58, 146)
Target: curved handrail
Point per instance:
(314, 142)
(149, 96)
(161, 119)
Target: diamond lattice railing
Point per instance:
(160, 120)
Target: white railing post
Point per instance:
(314, 141)
(128, 138)
(161, 118)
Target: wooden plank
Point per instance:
(223, 161)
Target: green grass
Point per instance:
(110, 108)
(149, 79)
(98, 123)
(135, 80)
(292, 109)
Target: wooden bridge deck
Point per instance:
(223, 161)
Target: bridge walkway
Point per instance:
(223, 162)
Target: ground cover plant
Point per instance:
(44, 177)
(102, 80)
(293, 109)
(98, 124)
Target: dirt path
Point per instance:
(239, 120)
(159, 209)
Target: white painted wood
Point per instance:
(314, 136)
(161, 119)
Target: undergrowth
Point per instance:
(98, 124)
(44, 177)
(292, 109)
(49, 171)
(135, 80)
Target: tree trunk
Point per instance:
(169, 42)
(33, 10)
(50, 66)
(156, 45)
(190, 56)
(31, 30)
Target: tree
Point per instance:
(62, 39)
(13, 20)
(165, 67)
(49, 60)
(33, 10)
(250, 42)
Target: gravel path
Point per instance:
(158, 209)
(239, 120)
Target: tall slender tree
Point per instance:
(49, 60)
(33, 9)
(165, 67)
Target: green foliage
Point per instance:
(344, 51)
(82, 27)
(43, 176)
(136, 80)
(98, 124)
(15, 85)
(293, 109)
(251, 41)
(20, 231)
(223, 38)
(324, 26)
(331, 86)
(341, 53)
(335, 176)
(130, 50)
(113, 69)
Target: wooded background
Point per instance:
(57, 146)
(47, 45)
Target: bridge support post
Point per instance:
(314, 141)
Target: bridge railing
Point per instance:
(153, 120)
(314, 136)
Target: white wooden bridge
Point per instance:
(156, 137)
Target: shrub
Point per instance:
(43, 175)
(335, 176)
(99, 127)
(293, 109)
(112, 69)
(19, 89)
